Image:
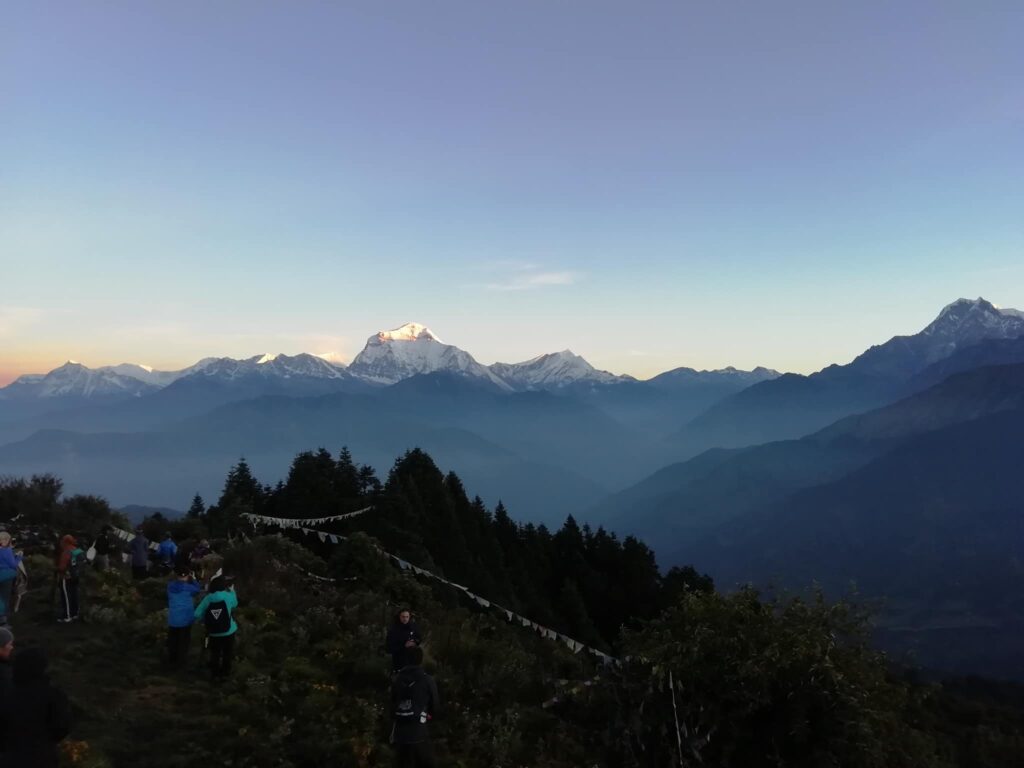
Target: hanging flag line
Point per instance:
(125, 536)
(575, 645)
(292, 522)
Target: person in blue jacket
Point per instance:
(180, 615)
(9, 561)
(215, 611)
(168, 549)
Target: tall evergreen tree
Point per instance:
(198, 508)
(242, 494)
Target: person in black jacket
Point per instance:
(104, 549)
(402, 635)
(34, 716)
(414, 702)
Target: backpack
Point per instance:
(75, 563)
(412, 698)
(217, 618)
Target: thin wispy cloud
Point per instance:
(532, 279)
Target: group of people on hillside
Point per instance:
(168, 555)
(215, 611)
(29, 736)
(414, 698)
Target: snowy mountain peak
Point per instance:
(76, 380)
(391, 356)
(266, 359)
(553, 371)
(409, 332)
(971, 320)
(961, 324)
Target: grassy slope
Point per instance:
(309, 681)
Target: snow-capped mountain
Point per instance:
(553, 371)
(961, 324)
(148, 375)
(75, 380)
(412, 349)
(268, 367)
(686, 376)
(391, 356)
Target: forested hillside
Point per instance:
(701, 678)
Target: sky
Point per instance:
(648, 184)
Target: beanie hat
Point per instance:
(6, 636)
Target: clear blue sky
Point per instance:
(648, 184)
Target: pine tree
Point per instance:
(198, 508)
(242, 495)
(347, 481)
(311, 488)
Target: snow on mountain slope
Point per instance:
(76, 380)
(412, 349)
(961, 324)
(684, 376)
(269, 366)
(552, 371)
(146, 374)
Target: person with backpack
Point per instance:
(215, 612)
(69, 571)
(34, 716)
(414, 702)
(402, 635)
(9, 563)
(138, 548)
(180, 615)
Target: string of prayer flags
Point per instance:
(124, 535)
(291, 522)
(511, 616)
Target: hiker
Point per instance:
(68, 573)
(402, 635)
(20, 586)
(180, 615)
(201, 550)
(9, 562)
(104, 549)
(195, 557)
(168, 549)
(414, 701)
(34, 716)
(138, 548)
(6, 664)
(183, 557)
(215, 612)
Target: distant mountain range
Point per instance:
(387, 358)
(896, 470)
(919, 501)
(793, 405)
